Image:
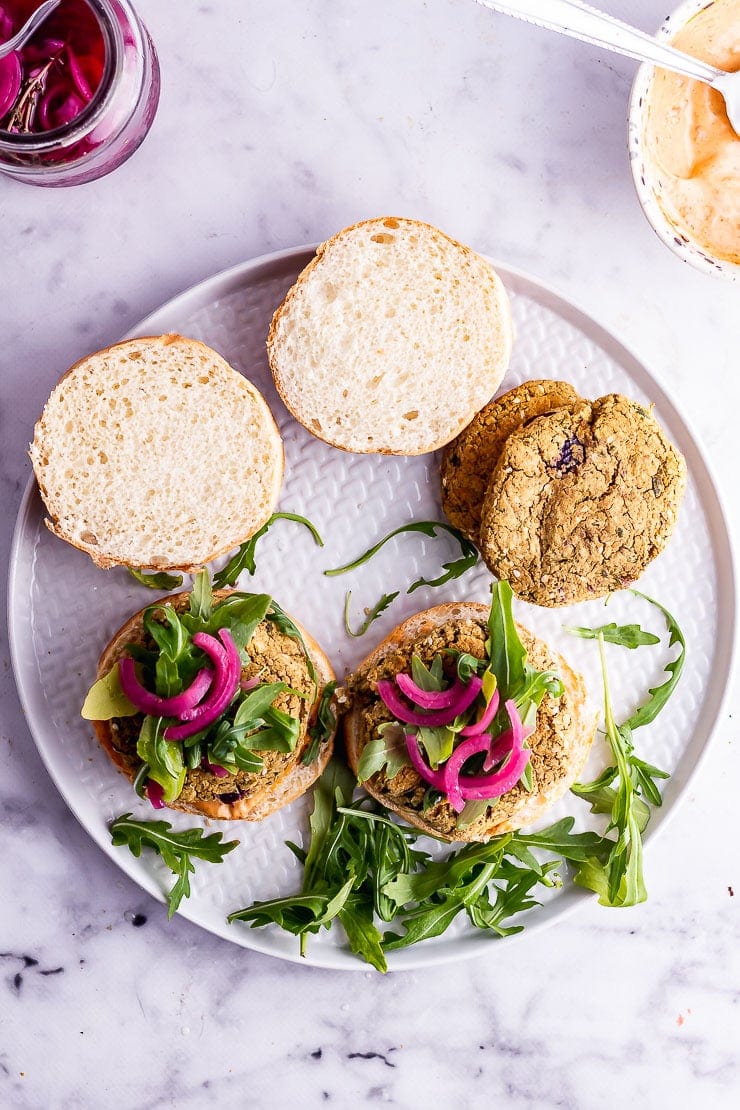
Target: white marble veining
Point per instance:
(280, 123)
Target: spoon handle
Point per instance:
(35, 20)
(581, 21)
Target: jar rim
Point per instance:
(41, 142)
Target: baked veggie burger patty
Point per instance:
(215, 704)
(466, 724)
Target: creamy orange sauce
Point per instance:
(692, 154)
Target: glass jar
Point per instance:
(114, 123)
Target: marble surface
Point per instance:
(278, 125)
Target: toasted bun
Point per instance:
(391, 339)
(156, 454)
(560, 744)
(285, 777)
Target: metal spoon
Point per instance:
(581, 21)
(28, 28)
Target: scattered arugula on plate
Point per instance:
(454, 568)
(177, 849)
(364, 868)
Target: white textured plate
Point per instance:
(63, 609)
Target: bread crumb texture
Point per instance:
(156, 453)
(391, 339)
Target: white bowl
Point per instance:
(674, 236)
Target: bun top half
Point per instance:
(392, 338)
(156, 454)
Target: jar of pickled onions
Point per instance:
(78, 98)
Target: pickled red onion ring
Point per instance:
(423, 770)
(477, 787)
(152, 704)
(501, 747)
(215, 769)
(487, 716)
(518, 732)
(466, 697)
(78, 76)
(11, 78)
(154, 793)
(225, 686)
(58, 107)
(428, 699)
(451, 775)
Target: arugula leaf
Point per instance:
(536, 684)
(453, 569)
(201, 596)
(335, 869)
(160, 580)
(175, 665)
(562, 841)
(361, 865)
(324, 725)
(619, 880)
(388, 750)
(165, 760)
(162, 623)
(645, 774)
(438, 744)
(244, 559)
(289, 628)
(602, 799)
(295, 914)
(338, 876)
(226, 748)
(627, 790)
(256, 703)
(280, 733)
(370, 614)
(177, 849)
(445, 874)
(467, 665)
(633, 636)
(467, 879)
(506, 653)
(515, 677)
(625, 635)
(508, 658)
(356, 917)
(659, 695)
(335, 787)
(424, 923)
(241, 613)
(426, 678)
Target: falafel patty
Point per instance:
(559, 745)
(274, 656)
(580, 501)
